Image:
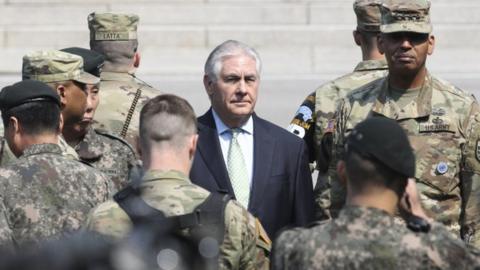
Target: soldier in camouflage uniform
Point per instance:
(123, 94)
(168, 140)
(311, 119)
(64, 73)
(376, 168)
(441, 120)
(43, 194)
(104, 151)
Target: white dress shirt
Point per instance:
(245, 139)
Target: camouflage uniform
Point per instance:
(174, 194)
(122, 95)
(441, 123)
(311, 120)
(107, 153)
(44, 194)
(117, 97)
(443, 126)
(311, 126)
(369, 238)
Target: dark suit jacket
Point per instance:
(281, 193)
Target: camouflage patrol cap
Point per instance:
(92, 60)
(112, 26)
(26, 91)
(386, 142)
(406, 16)
(55, 66)
(368, 15)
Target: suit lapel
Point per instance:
(209, 149)
(263, 150)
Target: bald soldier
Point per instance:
(42, 194)
(168, 140)
(123, 94)
(375, 169)
(311, 119)
(442, 121)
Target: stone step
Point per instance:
(329, 36)
(282, 62)
(236, 13)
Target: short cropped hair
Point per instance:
(118, 54)
(364, 172)
(213, 66)
(166, 119)
(35, 118)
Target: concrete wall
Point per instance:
(293, 36)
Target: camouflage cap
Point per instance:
(55, 66)
(406, 16)
(112, 26)
(368, 15)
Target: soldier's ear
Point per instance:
(193, 146)
(380, 44)
(136, 59)
(357, 37)
(61, 91)
(14, 125)
(431, 44)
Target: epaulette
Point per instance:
(114, 137)
(360, 92)
(442, 85)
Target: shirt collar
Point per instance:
(368, 65)
(222, 128)
(153, 175)
(420, 107)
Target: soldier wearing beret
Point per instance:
(123, 94)
(376, 169)
(107, 152)
(43, 193)
(311, 120)
(442, 121)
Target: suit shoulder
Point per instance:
(279, 132)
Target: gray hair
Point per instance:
(213, 66)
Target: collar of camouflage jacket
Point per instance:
(419, 107)
(116, 76)
(371, 65)
(156, 175)
(370, 215)
(43, 148)
(91, 147)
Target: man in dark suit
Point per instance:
(262, 165)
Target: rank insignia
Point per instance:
(438, 111)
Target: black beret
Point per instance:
(26, 91)
(92, 60)
(385, 141)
